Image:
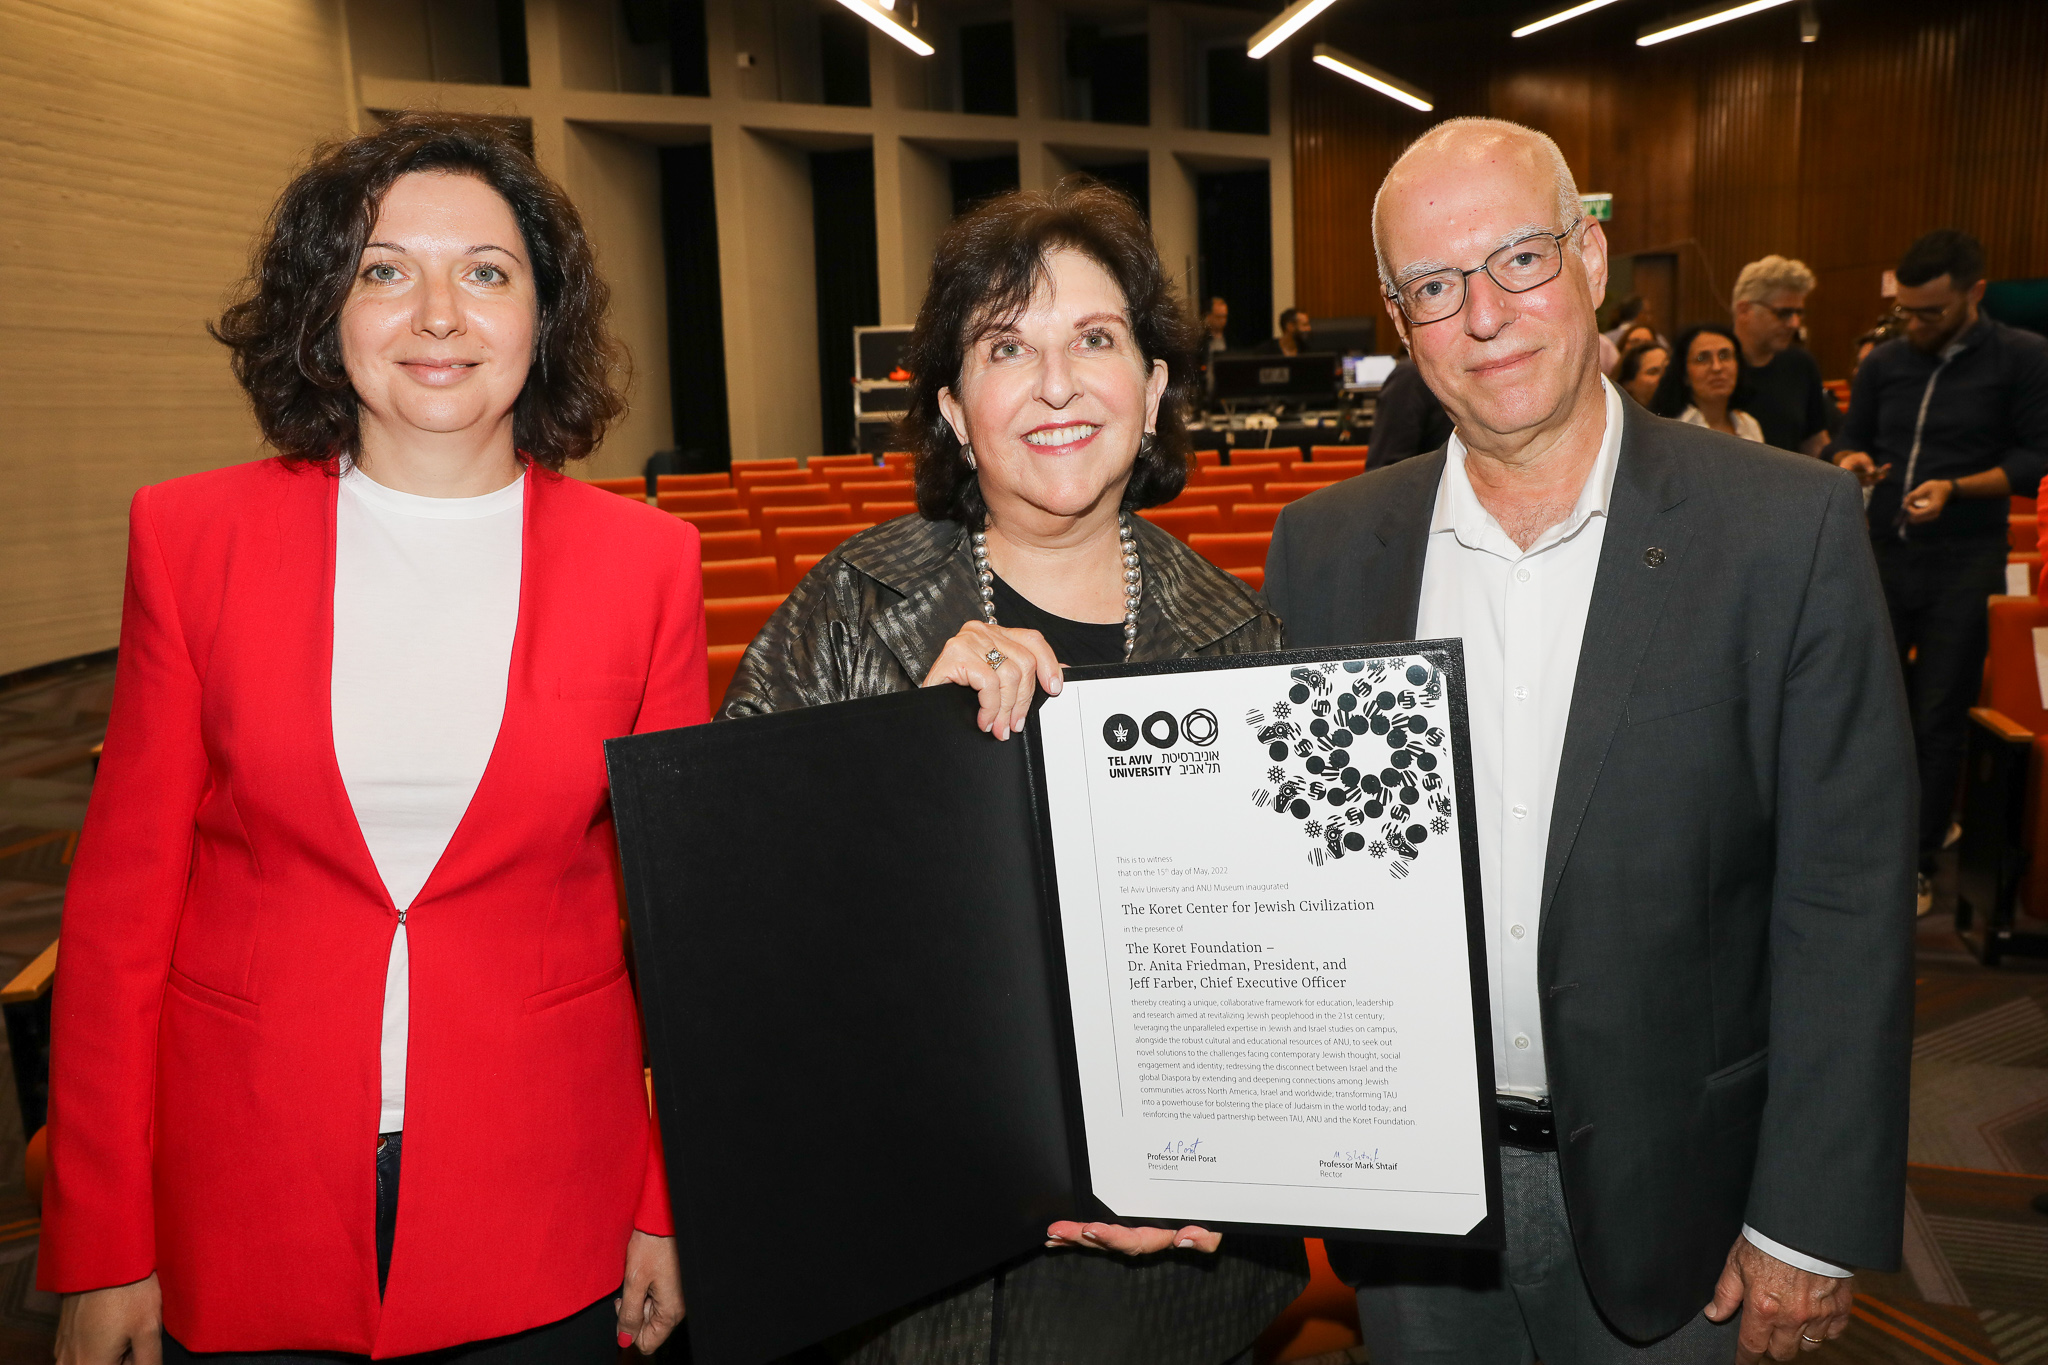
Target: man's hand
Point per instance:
(1784, 1310)
(652, 1304)
(1867, 473)
(1131, 1241)
(1925, 502)
(122, 1325)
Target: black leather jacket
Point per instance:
(871, 618)
(875, 613)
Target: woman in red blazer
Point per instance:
(425, 315)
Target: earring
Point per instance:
(1146, 443)
(967, 454)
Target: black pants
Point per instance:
(1936, 591)
(588, 1337)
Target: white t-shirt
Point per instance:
(426, 598)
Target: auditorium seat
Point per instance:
(1184, 522)
(791, 463)
(723, 662)
(884, 490)
(879, 512)
(1340, 453)
(705, 500)
(1215, 495)
(2022, 507)
(1289, 490)
(1232, 550)
(1328, 471)
(739, 577)
(791, 541)
(1205, 458)
(779, 495)
(803, 565)
(2023, 533)
(744, 479)
(737, 620)
(747, 544)
(690, 483)
(1253, 476)
(1240, 455)
(631, 488)
(899, 459)
(847, 484)
(725, 519)
(1253, 516)
(2005, 819)
(1254, 575)
(820, 463)
(1322, 1322)
(824, 514)
(2023, 574)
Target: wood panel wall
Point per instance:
(143, 143)
(1718, 148)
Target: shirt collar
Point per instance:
(1458, 510)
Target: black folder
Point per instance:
(846, 933)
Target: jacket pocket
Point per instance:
(575, 990)
(1736, 1093)
(215, 999)
(1682, 695)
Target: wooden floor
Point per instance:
(1974, 1289)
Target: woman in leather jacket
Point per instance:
(1052, 366)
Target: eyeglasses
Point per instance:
(1931, 314)
(1783, 314)
(1517, 268)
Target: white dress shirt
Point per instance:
(426, 598)
(1522, 615)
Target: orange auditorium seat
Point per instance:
(1215, 495)
(1184, 522)
(879, 512)
(1205, 458)
(732, 519)
(631, 488)
(780, 495)
(804, 564)
(720, 545)
(791, 541)
(1252, 476)
(1247, 517)
(707, 500)
(1322, 1322)
(746, 479)
(739, 577)
(882, 490)
(2023, 533)
(820, 463)
(1232, 550)
(789, 464)
(2005, 820)
(1254, 575)
(1264, 455)
(899, 459)
(724, 661)
(1326, 472)
(2023, 574)
(1278, 491)
(690, 483)
(1320, 453)
(2022, 507)
(737, 620)
(771, 519)
(844, 483)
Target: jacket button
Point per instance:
(1653, 556)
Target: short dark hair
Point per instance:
(1288, 315)
(1674, 390)
(284, 330)
(1632, 361)
(1945, 251)
(984, 272)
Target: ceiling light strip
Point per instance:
(1393, 87)
(1538, 25)
(1699, 19)
(1284, 26)
(889, 24)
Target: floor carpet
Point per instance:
(1973, 1291)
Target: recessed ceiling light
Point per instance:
(1393, 87)
(1284, 26)
(1666, 29)
(1538, 25)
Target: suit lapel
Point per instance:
(1390, 595)
(1646, 512)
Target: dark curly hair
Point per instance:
(983, 274)
(1674, 390)
(284, 330)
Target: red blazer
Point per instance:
(214, 1069)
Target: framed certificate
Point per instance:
(1202, 944)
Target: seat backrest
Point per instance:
(745, 544)
(803, 495)
(725, 519)
(1247, 517)
(1214, 495)
(1184, 521)
(1240, 455)
(1320, 453)
(744, 479)
(2017, 660)
(1288, 490)
(631, 488)
(879, 512)
(2023, 574)
(739, 577)
(790, 463)
(2023, 507)
(707, 500)
(820, 463)
(1325, 471)
(686, 483)
(898, 459)
(737, 620)
(791, 541)
(721, 662)
(770, 519)
(1231, 550)
(2023, 533)
(881, 490)
(1206, 458)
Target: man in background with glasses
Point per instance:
(1782, 390)
(1692, 781)
(1946, 423)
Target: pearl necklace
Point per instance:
(1134, 579)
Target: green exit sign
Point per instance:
(1599, 207)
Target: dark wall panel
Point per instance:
(696, 312)
(849, 286)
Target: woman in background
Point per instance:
(345, 889)
(1053, 366)
(1705, 383)
(1641, 370)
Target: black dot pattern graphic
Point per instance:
(1356, 762)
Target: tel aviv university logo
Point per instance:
(1161, 730)
(1356, 761)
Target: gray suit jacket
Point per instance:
(1725, 949)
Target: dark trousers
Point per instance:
(1936, 590)
(588, 1337)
